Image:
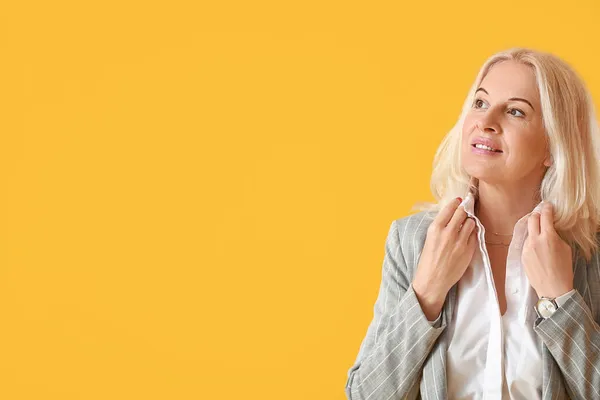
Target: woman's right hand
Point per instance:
(447, 253)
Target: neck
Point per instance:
(500, 207)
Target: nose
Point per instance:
(487, 123)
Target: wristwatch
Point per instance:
(545, 307)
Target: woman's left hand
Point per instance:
(547, 258)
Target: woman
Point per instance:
(496, 295)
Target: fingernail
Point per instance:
(459, 199)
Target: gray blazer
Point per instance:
(404, 357)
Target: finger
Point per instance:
(547, 218)
(533, 224)
(459, 217)
(472, 242)
(446, 213)
(466, 230)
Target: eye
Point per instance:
(476, 102)
(517, 110)
(476, 105)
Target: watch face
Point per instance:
(546, 308)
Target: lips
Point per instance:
(497, 151)
(487, 142)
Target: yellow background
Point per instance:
(194, 196)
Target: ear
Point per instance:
(548, 161)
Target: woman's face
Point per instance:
(507, 112)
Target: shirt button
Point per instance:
(515, 290)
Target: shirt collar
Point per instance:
(468, 204)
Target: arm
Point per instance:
(399, 337)
(573, 338)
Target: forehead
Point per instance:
(511, 79)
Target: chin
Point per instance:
(484, 172)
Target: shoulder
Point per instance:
(414, 224)
(408, 234)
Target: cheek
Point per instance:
(468, 124)
(525, 151)
(529, 140)
(467, 131)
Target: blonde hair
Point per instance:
(572, 182)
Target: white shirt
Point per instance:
(491, 356)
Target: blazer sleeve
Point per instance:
(573, 338)
(399, 338)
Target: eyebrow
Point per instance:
(512, 98)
